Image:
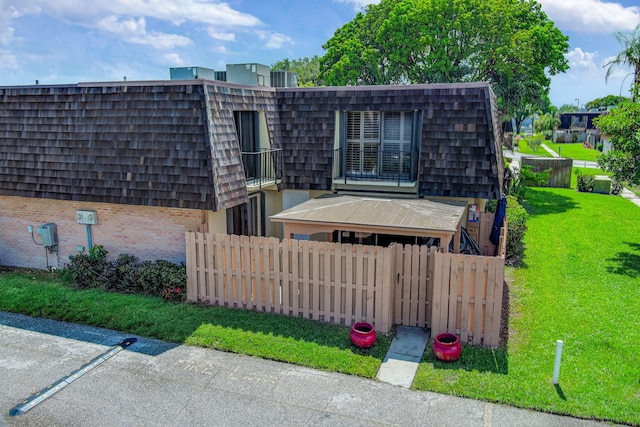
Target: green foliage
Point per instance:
(622, 125)
(628, 56)
(527, 177)
(126, 274)
(586, 182)
(616, 187)
(510, 43)
(86, 270)
(307, 69)
(603, 103)
(535, 142)
(517, 218)
(546, 124)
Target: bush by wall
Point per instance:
(586, 183)
(126, 274)
(517, 218)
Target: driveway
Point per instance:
(189, 386)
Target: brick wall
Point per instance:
(150, 233)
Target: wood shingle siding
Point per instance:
(126, 144)
(173, 143)
(460, 148)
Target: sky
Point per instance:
(71, 41)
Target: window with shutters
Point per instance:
(379, 144)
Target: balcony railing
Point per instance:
(375, 165)
(263, 167)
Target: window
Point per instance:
(248, 218)
(379, 144)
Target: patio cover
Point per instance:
(407, 217)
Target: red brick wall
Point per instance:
(150, 233)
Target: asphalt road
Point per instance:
(167, 385)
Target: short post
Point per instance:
(556, 367)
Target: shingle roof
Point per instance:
(173, 143)
(168, 144)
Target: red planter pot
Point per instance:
(363, 334)
(447, 347)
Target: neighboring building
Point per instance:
(147, 161)
(578, 127)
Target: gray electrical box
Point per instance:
(49, 234)
(86, 217)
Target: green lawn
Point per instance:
(574, 151)
(524, 148)
(580, 284)
(288, 339)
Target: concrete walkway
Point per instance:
(405, 353)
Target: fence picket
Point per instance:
(345, 283)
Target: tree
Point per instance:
(509, 43)
(630, 54)
(622, 126)
(546, 124)
(307, 69)
(603, 103)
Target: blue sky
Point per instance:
(69, 41)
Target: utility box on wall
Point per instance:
(86, 217)
(49, 234)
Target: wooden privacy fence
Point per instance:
(342, 283)
(560, 169)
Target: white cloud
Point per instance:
(174, 11)
(591, 16)
(274, 40)
(173, 59)
(218, 35)
(8, 59)
(581, 61)
(358, 4)
(128, 18)
(135, 31)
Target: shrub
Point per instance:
(517, 218)
(126, 274)
(616, 187)
(535, 142)
(586, 182)
(526, 177)
(87, 270)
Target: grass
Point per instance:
(575, 151)
(523, 147)
(294, 340)
(580, 284)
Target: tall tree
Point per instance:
(307, 69)
(509, 43)
(622, 126)
(603, 103)
(629, 55)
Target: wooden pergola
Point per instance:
(371, 215)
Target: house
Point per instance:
(133, 165)
(578, 126)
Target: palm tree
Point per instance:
(630, 54)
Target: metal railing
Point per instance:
(375, 165)
(263, 167)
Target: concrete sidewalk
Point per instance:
(194, 386)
